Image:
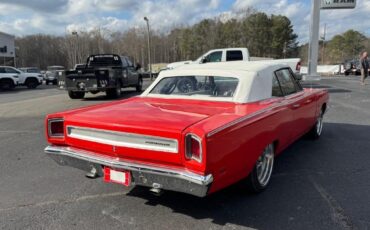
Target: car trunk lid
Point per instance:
(138, 128)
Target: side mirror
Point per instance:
(204, 60)
(298, 76)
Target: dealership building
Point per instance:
(7, 49)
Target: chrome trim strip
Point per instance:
(114, 162)
(240, 120)
(123, 139)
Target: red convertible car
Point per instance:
(196, 129)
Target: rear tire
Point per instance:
(316, 130)
(76, 95)
(6, 84)
(114, 93)
(259, 178)
(32, 83)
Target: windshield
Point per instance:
(211, 86)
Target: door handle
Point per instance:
(308, 101)
(296, 106)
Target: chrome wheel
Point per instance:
(319, 124)
(265, 165)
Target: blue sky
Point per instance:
(24, 17)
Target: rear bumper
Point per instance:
(167, 178)
(86, 84)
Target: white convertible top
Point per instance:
(255, 79)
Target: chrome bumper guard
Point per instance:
(166, 178)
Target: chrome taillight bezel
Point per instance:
(188, 154)
(55, 135)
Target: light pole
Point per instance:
(75, 33)
(149, 53)
(323, 44)
(16, 48)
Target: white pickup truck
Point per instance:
(235, 54)
(11, 77)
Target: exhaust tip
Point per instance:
(156, 189)
(93, 173)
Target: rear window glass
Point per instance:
(104, 60)
(192, 86)
(234, 55)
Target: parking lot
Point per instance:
(320, 184)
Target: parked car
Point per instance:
(235, 54)
(196, 129)
(52, 74)
(352, 66)
(107, 73)
(7, 80)
(31, 80)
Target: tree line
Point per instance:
(341, 47)
(264, 35)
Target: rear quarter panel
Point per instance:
(231, 153)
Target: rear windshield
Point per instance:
(104, 60)
(192, 86)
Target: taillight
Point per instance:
(193, 148)
(56, 128)
(298, 66)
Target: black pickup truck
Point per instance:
(103, 73)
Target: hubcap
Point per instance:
(319, 124)
(265, 164)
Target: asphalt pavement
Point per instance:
(321, 184)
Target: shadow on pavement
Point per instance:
(330, 161)
(21, 89)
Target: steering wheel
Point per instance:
(186, 85)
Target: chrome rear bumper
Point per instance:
(179, 180)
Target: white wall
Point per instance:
(7, 40)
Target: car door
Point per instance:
(125, 74)
(11, 72)
(132, 74)
(285, 116)
(295, 99)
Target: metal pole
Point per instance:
(314, 40)
(149, 48)
(323, 45)
(74, 60)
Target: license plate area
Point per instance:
(117, 176)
